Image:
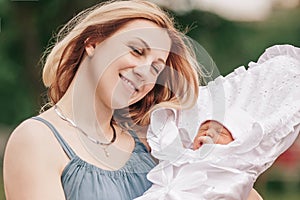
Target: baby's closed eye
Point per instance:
(212, 132)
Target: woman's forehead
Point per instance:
(146, 31)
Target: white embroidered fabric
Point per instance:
(259, 106)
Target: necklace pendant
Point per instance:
(73, 124)
(106, 153)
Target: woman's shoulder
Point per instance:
(29, 132)
(31, 157)
(31, 141)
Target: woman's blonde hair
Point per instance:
(178, 83)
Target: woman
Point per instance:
(115, 53)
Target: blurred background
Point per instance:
(234, 32)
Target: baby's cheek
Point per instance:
(224, 139)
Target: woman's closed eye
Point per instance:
(136, 51)
(157, 68)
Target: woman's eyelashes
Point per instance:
(136, 51)
(157, 67)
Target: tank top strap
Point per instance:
(140, 144)
(67, 149)
(134, 135)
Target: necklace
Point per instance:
(103, 145)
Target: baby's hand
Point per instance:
(212, 132)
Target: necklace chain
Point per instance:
(103, 145)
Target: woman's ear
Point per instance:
(90, 49)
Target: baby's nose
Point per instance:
(211, 132)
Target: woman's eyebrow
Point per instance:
(147, 47)
(162, 61)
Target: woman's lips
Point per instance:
(129, 83)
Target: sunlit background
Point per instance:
(234, 32)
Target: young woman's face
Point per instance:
(129, 62)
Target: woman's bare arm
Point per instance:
(253, 195)
(32, 164)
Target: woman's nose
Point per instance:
(143, 71)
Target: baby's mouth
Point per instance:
(206, 140)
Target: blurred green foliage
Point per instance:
(27, 26)
(26, 29)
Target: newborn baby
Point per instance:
(212, 132)
(260, 108)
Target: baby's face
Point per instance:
(212, 132)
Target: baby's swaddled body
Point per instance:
(260, 107)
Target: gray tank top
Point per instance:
(84, 181)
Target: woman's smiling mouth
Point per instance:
(129, 83)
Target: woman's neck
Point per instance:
(100, 114)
